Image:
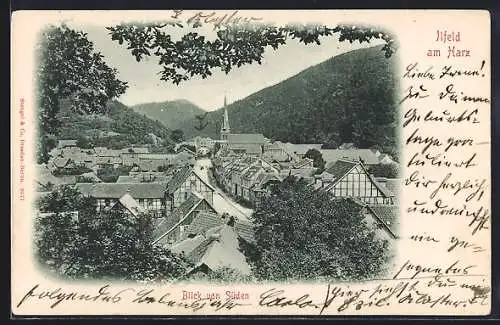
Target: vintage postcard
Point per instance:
(235, 162)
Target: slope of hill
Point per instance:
(172, 114)
(348, 98)
(120, 127)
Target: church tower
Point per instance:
(225, 130)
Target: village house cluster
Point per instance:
(247, 164)
(165, 186)
(184, 198)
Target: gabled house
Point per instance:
(180, 186)
(367, 156)
(351, 179)
(261, 187)
(150, 196)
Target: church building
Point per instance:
(249, 143)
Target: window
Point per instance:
(185, 195)
(107, 202)
(141, 201)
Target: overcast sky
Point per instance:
(145, 85)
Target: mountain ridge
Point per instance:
(350, 97)
(170, 113)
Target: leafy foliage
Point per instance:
(106, 245)
(69, 68)
(110, 174)
(305, 234)
(235, 45)
(317, 158)
(385, 170)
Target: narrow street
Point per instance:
(222, 202)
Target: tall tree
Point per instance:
(69, 68)
(105, 245)
(306, 234)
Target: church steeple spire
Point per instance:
(225, 130)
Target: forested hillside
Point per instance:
(348, 98)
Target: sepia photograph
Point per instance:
(249, 152)
(235, 162)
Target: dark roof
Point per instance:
(117, 190)
(245, 230)
(179, 178)
(246, 138)
(178, 214)
(108, 160)
(340, 168)
(204, 221)
(389, 214)
(187, 245)
(220, 249)
(182, 212)
(385, 215)
(46, 177)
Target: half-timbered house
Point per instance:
(350, 179)
(171, 228)
(185, 181)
